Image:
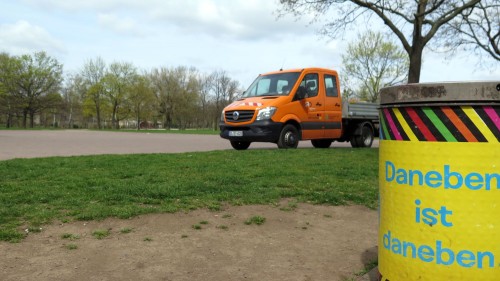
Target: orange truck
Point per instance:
(287, 106)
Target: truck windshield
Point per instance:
(272, 85)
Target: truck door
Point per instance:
(314, 106)
(333, 109)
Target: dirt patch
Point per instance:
(308, 242)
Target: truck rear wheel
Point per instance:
(240, 145)
(322, 143)
(289, 137)
(365, 136)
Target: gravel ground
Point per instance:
(32, 144)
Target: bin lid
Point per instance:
(441, 93)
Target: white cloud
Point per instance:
(245, 20)
(233, 19)
(119, 24)
(23, 37)
(76, 6)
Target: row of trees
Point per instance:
(100, 95)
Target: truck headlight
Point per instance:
(222, 116)
(266, 113)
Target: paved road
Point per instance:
(32, 144)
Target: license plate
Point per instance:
(235, 133)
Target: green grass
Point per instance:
(71, 246)
(126, 230)
(70, 236)
(258, 220)
(34, 229)
(223, 227)
(101, 233)
(34, 192)
(368, 267)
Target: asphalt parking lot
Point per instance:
(46, 143)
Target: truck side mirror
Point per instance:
(301, 93)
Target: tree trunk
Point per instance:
(98, 113)
(418, 44)
(9, 120)
(70, 121)
(415, 64)
(138, 119)
(114, 122)
(25, 118)
(168, 121)
(32, 119)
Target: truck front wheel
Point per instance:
(289, 137)
(364, 138)
(240, 145)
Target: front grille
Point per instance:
(243, 116)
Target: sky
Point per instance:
(242, 37)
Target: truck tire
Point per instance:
(289, 137)
(365, 136)
(240, 145)
(322, 143)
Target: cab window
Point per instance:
(310, 84)
(331, 86)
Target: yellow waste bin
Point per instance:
(439, 178)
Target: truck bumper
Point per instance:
(259, 131)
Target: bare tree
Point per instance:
(141, 99)
(72, 93)
(414, 23)
(160, 82)
(187, 95)
(206, 81)
(224, 89)
(477, 29)
(93, 72)
(374, 63)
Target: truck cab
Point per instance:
(287, 106)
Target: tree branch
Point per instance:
(387, 22)
(446, 18)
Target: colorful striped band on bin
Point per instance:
(441, 123)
